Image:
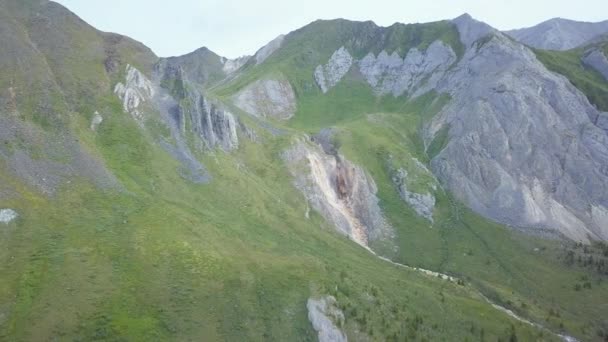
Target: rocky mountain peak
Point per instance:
(471, 30)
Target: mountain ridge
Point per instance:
(220, 222)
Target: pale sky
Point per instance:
(233, 28)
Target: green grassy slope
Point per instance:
(163, 259)
(527, 274)
(569, 63)
(232, 260)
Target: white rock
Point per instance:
(391, 74)
(324, 315)
(136, 90)
(232, 65)
(96, 121)
(327, 76)
(7, 215)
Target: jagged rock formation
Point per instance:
(423, 204)
(232, 65)
(340, 191)
(268, 49)
(327, 76)
(214, 125)
(559, 34)
(136, 90)
(391, 74)
(326, 318)
(523, 147)
(596, 59)
(7, 215)
(271, 98)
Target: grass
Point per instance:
(569, 63)
(163, 259)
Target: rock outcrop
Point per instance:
(523, 147)
(136, 90)
(340, 191)
(96, 121)
(391, 74)
(213, 124)
(232, 65)
(423, 204)
(268, 98)
(326, 318)
(596, 59)
(327, 76)
(8, 215)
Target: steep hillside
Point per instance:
(559, 34)
(294, 195)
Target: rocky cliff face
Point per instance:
(327, 76)
(340, 191)
(390, 74)
(268, 98)
(559, 34)
(523, 147)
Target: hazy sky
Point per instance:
(237, 27)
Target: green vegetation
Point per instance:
(159, 258)
(569, 63)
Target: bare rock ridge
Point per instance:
(390, 74)
(559, 34)
(523, 147)
(327, 76)
(326, 318)
(340, 191)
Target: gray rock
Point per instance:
(327, 76)
(423, 204)
(598, 61)
(339, 190)
(232, 65)
(391, 74)
(96, 121)
(271, 98)
(325, 317)
(268, 49)
(136, 90)
(8, 215)
(559, 34)
(523, 148)
(471, 30)
(213, 124)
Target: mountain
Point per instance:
(433, 181)
(559, 34)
